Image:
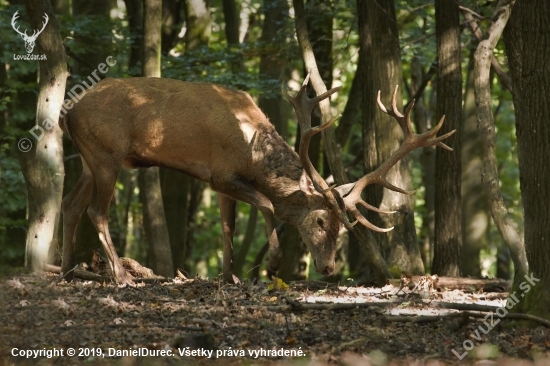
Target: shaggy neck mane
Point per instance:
(278, 174)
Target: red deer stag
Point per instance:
(220, 136)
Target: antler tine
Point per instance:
(352, 197)
(355, 212)
(394, 103)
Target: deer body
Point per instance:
(220, 136)
(213, 133)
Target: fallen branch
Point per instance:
(91, 276)
(489, 285)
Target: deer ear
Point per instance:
(306, 185)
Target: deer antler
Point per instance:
(351, 193)
(303, 105)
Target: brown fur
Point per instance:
(208, 131)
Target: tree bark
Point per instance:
(382, 136)
(447, 204)
(527, 44)
(232, 21)
(87, 238)
(134, 14)
(475, 212)
(149, 181)
(486, 126)
(272, 63)
(422, 119)
(43, 166)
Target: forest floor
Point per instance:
(324, 323)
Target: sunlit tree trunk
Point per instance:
(486, 126)
(43, 166)
(475, 216)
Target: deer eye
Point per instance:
(320, 222)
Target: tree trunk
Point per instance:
(171, 23)
(272, 63)
(486, 126)
(475, 214)
(422, 119)
(134, 14)
(87, 238)
(382, 136)
(447, 205)
(43, 166)
(527, 45)
(149, 181)
(232, 21)
(295, 260)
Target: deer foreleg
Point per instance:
(227, 210)
(243, 191)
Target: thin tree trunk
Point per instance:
(272, 63)
(149, 181)
(232, 21)
(448, 217)
(43, 166)
(528, 45)
(486, 126)
(475, 213)
(427, 160)
(134, 14)
(86, 234)
(351, 115)
(240, 257)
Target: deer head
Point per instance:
(30, 41)
(329, 206)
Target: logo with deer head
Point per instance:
(30, 41)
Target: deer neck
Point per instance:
(277, 176)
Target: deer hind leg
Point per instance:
(73, 206)
(243, 191)
(105, 179)
(227, 210)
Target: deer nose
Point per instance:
(328, 270)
